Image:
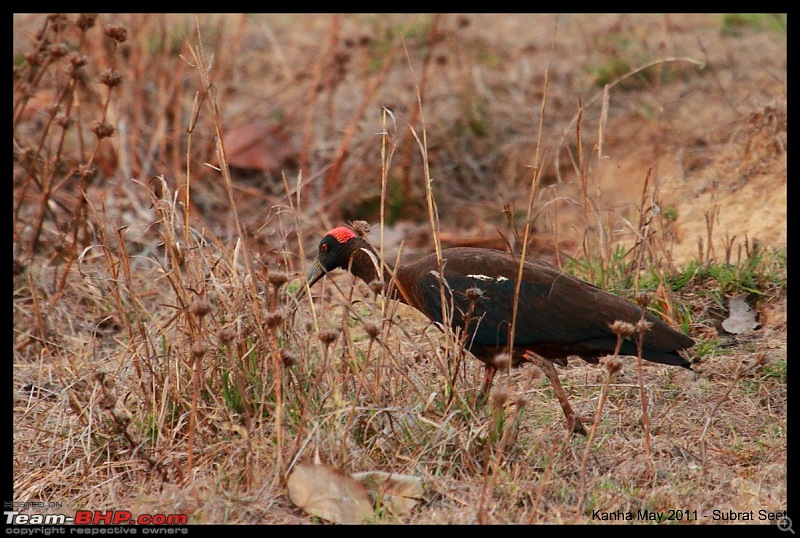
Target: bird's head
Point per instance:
(335, 251)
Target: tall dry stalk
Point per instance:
(641, 330)
(537, 171)
(612, 364)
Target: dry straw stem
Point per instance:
(386, 160)
(502, 427)
(537, 170)
(612, 365)
(641, 330)
(433, 216)
(647, 213)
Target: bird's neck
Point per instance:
(366, 264)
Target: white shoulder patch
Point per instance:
(485, 278)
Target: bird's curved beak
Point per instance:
(315, 272)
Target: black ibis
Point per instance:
(558, 314)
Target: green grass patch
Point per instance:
(736, 24)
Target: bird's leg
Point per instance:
(488, 378)
(574, 422)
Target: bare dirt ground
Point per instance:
(146, 351)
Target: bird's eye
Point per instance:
(323, 247)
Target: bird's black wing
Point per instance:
(555, 309)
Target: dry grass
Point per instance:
(163, 363)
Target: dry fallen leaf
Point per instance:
(398, 492)
(742, 318)
(328, 493)
(258, 146)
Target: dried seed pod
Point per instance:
(278, 278)
(200, 308)
(376, 286)
(199, 349)
(111, 77)
(372, 330)
(86, 21)
(274, 318)
(102, 129)
(226, 335)
(117, 33)
(473, 294)
(78, 60)
(623, 329)
(341, 57)
(329, 336)
(289, 359)
(58, 50)
(502, 361)
(34, 58)
(612, 363)
(360, 227)
(58, 21)
(642, 326)
(499, 397)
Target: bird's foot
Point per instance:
(575, 425)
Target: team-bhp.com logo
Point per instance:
(95, 517)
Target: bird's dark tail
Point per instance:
(662, 357)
